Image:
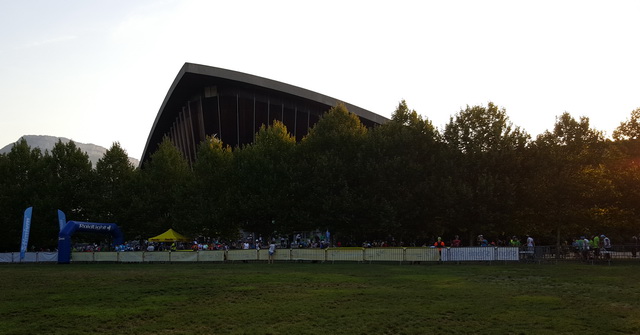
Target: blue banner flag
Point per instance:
(62, 219)
(26, 226)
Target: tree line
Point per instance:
(404, 181)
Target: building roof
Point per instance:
(193, 77)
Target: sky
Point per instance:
(98, 71)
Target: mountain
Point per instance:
(44, 142)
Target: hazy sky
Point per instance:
(97, 71)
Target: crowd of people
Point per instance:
(596, 246)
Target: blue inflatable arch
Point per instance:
(64, 238)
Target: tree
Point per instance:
(164, 200)
(71, 171)
(485, 152)
(577, 136)
(331, 166)
(212, 187)
(402, 166)
(629, 129)
(623, 217)
(113, 190)
(624, 171)
(567, 162)
(68, 187)
(264, 171)
(21, 186)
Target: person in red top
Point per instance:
(456, 242)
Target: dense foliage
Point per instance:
(404, 181)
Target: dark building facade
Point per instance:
(208, 101)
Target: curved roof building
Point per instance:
(205, 101)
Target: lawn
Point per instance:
(316, 298)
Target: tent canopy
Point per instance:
(170, 236)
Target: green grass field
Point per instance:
(295, 298)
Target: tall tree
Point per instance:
(264, 178)
(21, 186)
(164, 200)
(212, 187)
(485, 150)
(625, 175)
(331, 163)
(402, 166)
(566, 160)
(71, 171)
(113, 190)
(70, 178)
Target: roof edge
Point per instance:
(199, 69)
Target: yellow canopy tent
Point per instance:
(170, 236)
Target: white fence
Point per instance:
(400, 255)
(30, 257)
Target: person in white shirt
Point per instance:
(272, 251)
(606, 244)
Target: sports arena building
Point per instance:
(209, 101)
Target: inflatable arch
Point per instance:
(64, 238)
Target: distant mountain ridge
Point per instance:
(45, 142)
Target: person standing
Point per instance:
(582, 247)
(606, 245)
(456, 242)
(587, 246)
(595, 245)
(530, 246)
(272, 251)
(482, 241)
(439, 244)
